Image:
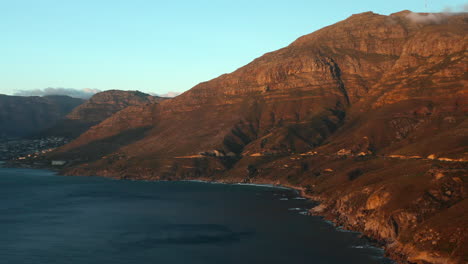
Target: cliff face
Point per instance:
(99, 107)
(21, 116)
(367, 115)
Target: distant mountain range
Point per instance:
(24, 116)
(368, 115)
(63, 116)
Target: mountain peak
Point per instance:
(402, 13)
(364, 14)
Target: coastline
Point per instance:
(339, 226)
(393, 249)
(257, 210)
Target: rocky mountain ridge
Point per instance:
(368, 115)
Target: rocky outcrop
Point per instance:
(420, 219)
(24, 116)
(330, 114)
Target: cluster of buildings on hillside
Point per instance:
(21, 149)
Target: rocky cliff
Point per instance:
(99, 107)
(367, 115)
(22, 116)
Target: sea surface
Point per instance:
(46, 218)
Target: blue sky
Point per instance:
(157, 46)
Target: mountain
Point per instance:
(22, 116)
(99, 107)
(368, 116)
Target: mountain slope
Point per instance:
(367, 115)
(99, 107)
(22, 116)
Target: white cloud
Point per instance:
(436, 18)
(168, 94)
(426, 18)
(77, 93)
(456, 9)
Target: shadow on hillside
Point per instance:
(67, 128)
(95, 150)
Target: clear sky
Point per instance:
(158, 46)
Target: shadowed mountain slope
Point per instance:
(23, 116)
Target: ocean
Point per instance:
(46, 218)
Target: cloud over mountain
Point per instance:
(436, 18)
(426, 18)
(72, 92)
(169, 94)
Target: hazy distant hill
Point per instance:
(368, 115)
(22, 116)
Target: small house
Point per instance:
(58, 162)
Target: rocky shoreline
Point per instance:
(395, 250)
(380, 232)
(359, 209)
(381, 235)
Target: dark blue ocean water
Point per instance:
(45, 218)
